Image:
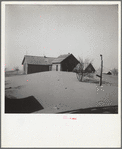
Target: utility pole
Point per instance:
(101, 70)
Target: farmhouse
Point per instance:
(33, 64)
(65, 62)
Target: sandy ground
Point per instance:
(61, 91)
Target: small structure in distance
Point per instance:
(109, 73)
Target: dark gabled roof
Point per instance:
(109, 72)
(87, 65)
(38, 60)
(61, 58)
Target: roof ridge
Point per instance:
(40, 56)
(60, 58)
(65, 54)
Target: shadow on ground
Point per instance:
(23, 105)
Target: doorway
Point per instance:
(56, 67)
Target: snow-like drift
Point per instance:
(60, 91)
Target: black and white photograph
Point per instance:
(61, 59)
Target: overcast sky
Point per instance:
(83, 30)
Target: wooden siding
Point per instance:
(37, 68)
(69, 63)
(25, 68)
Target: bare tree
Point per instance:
(81, 60)
(98, 71)
(88, 61)
(114, 71)
(79, 69)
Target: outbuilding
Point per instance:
(33, 64)
(109, 73)
(89, 68)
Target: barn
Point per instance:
(65, 62)
(33, 64)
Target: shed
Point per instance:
(33, 64)
(89, 68)
(109, 73)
